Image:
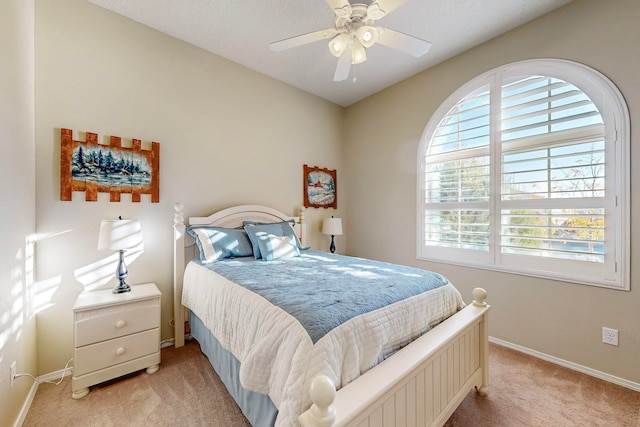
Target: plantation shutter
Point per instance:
(553, 171)
(525, 169)
(458, 177)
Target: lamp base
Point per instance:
(121, 288)
(121, 274)
(332, 247)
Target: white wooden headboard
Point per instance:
(185, 249)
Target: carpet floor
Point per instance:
(523, 392)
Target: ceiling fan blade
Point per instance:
(380, 8)
(403, 42)
(341, 8)
(344, 66)
(302, 39)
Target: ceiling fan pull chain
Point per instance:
(354, 74)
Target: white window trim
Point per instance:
(613, 108)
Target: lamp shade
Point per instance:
(358, 54)
(367, 35)
(332, 226)
(339, 44)
(119, 234)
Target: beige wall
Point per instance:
(17, 217)
(381, 140)
(227, 136)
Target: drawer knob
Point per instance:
(121, 324)
(120, 351)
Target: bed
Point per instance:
(402, 381)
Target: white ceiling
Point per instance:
(241, 30)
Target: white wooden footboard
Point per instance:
(421, 385)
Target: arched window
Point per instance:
(525, 169)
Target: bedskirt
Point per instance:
(256, 407)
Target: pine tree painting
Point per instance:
(115, 169)
(110, 167)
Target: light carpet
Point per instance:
(523, 392)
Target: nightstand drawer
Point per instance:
(108, 353)
(108, 323)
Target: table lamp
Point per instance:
(120, 235)
(333, 227)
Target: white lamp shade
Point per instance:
(339, 44)
(358, 54)
(119, 234)
(367, 35)
(332, 226)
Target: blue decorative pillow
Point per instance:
(258, 231)
(217, 243)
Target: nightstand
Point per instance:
(115, 334)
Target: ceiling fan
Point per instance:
(354, 32)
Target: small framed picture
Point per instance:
(320, 188)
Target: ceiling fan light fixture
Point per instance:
(354, 31)
(339, 44)
(367, 35)
(358, 54)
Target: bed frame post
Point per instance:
(303, 227)
(321, 413)
(479, 297)
(178, 271)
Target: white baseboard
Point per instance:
(565, 363)
(50, 377)
(22, 415)
(55, 376)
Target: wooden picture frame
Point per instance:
(320, 187)
(115, 169)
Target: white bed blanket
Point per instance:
(277, 356)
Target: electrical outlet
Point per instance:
(12, 373)
(610, 336)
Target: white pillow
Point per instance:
(207, 251)
(280, 247)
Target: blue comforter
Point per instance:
(323, 290)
